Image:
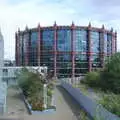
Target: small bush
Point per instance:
(92, 79)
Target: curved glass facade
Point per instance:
(65, 50)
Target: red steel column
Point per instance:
(102, 47)
(112, 40)
(73, 50)
(55, 45)
(115, 42)
(113, 34)
(39, 44)
(27, 46)
(89, 48)
(16, 49)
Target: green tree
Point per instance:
(110, 76)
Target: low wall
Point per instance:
(93, 109)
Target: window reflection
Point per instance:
(64, 40)
(80, 40)
(95, 47)
(47, 40)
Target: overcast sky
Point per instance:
(18, 13)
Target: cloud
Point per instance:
(18, 13)
(105, 3)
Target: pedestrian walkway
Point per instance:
(66, 107)
(15, 104)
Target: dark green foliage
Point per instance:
(92, 79)
(111, 102)
(30, 82)
(108, 78)
(32, 86)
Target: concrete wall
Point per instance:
(93, 109)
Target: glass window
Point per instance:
(109, 48)
(105, 43)
(80, 40)
(47, 40)
(21, 46)
(33, 50)
(81, 61)
(95, 60)
(64, 40)
(95, 47)
(34, 39)
(81, 57)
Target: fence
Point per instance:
(94, 110)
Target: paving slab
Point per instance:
(66, 107)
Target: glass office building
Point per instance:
(68, 51)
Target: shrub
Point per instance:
(32, 85)
(110, 77)
(111, 102)
(92, 79)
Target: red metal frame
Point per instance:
(102, 46)
(27, 52)
(113, 39)
(17, 45)
(55, 51)
(89, 48)
(73, 49)
(39, 46)
(16, 49)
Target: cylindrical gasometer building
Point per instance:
(66, 50)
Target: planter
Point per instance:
(29, 107)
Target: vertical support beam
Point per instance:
(102, 54)
(73, 49)
(112, 41)
(16, 49)
(55, 48)
(39, 44)
(115, 42)
(27, 46)
(89, 48)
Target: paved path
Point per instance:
(15, 104)
(66, 107)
